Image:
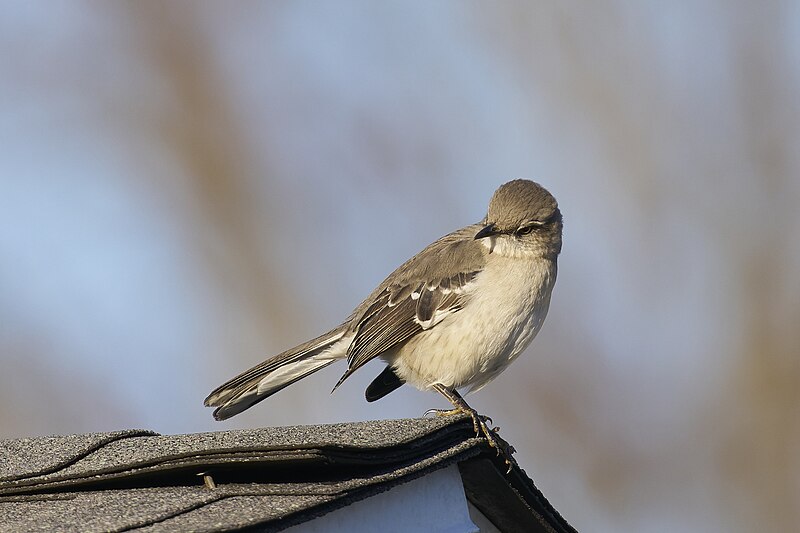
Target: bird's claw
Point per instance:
(441, 412)
(504, 450)
(480, 424)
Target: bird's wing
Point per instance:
(417, 296)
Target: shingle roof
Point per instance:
(271, 477)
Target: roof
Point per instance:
(271, 478)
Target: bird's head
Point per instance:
(523, 219)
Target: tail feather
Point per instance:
(274, 374)
(252, 395)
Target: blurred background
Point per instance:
(189, 187)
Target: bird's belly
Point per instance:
(471, 347)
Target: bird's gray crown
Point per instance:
(520, 201)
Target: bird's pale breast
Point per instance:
(507, 306)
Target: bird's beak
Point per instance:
(487, 231)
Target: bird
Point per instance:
(451, 318)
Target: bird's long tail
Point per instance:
(267, 378)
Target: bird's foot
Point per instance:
(468, 410)
(481, 424)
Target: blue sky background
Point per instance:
(188, 188)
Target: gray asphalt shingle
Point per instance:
(273, 477)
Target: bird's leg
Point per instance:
(479, 423)
(461, 407)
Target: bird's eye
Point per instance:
(525, 230)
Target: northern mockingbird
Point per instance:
(452, 317)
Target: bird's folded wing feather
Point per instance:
(416, 297)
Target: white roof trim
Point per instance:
(432, 503)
